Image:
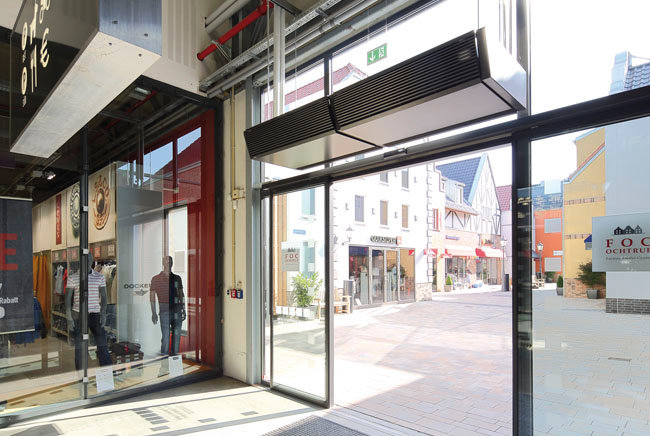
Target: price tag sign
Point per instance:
(104, 379)
(175, 366)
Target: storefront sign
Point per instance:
(291, 259)
(62, 52)
(384, 240)
(621, 242)
(16, 269)
(431, 252)
(299, 232)
(558, 253)
(58, 220)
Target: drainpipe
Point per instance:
(278, 61)
(261, 10)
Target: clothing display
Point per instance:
(168, 287)
(109, 271)
(41, 268)
(95, 281)
(40, 330)
(58, 280)
(95, 327)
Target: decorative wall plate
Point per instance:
(75, 209)
(101, 202)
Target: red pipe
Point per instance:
(261, 10)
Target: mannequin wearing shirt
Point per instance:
(97, 300)
(168, 287)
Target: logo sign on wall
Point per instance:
(291, 259)
(16, 269)
(621, 242)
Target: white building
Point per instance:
(387, 233)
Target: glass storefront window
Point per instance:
(148, 315)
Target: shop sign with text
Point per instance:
(16, 268)
(291, 259)
(621, 242)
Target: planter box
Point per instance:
(559, 291)
(448, 288)
(592, 294)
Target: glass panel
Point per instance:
(266, 290)
(359, 274)
(392, 274)
(608, 62)
(407, 274)
(378, 270)
(299, 309)
(589, 329)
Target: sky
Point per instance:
(573, 47)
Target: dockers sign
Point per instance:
(16, 275)
(621, 242)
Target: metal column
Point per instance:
(84, 267)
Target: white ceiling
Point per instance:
(9, 12)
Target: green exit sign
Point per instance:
(377, 54)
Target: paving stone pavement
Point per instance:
(437, 367)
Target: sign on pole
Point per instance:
(377, 54)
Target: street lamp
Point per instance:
(540, 247)
(349, 231)
(504, 279)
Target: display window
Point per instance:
(149, 268)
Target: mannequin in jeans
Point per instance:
(97, 300)
(168, 288)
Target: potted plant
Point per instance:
(591, 279)
(304, 289)
(448, 284)
(560, 286)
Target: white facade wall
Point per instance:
(506, 232)
(627, 154)
(374, 191)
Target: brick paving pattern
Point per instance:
(437, 367)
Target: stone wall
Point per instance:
(423, 291)
(627, 305)
(574, 288)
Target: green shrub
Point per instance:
(550, 275)
(448, 281)
(560, 282)
(590, 278)
(302, 286)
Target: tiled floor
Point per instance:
(592, 369)
(437, 367)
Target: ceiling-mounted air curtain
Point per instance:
(461, 81)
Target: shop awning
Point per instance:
(460, 251)
(489, 252)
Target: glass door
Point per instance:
(392, 274)
(297, 304)
(378, 269)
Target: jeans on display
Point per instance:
(170, 321)
(95, 327)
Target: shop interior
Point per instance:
(150, 231)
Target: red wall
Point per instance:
(552, 241)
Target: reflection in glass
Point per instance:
(378, 276)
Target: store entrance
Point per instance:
(390, 276)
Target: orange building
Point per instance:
(548, 231)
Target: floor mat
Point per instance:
(314, 426)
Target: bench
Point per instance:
(341, 302)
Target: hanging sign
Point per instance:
(621, 242)
(16, 268)
(291, 259)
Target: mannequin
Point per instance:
(97, 301)
(168, 287)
